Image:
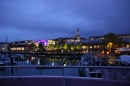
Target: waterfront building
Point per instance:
(44, 42)
(51, 42)
(97, 46)
(124, 36)
(24, 45)
(126, 39)
(20, 45)
(3, 46)
(96, 37)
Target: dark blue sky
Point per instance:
(48, 19)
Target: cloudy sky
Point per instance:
(49, 19)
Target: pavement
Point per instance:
(110, 57)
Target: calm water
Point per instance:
(43, 61)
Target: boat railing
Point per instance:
(63, 67)
(113, 74)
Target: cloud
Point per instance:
(58, 18)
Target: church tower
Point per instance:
(78, 34)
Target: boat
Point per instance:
(123, 51)
(123, 60)
(6, 60)
(2, 63)
(90, 60)
(18, 57)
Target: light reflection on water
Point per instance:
(51, 61)
(43, 61)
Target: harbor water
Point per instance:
(42, 61)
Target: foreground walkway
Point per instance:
(112, 76)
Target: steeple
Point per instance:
(6, 39)
(78, 34)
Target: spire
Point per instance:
(6, 39)
(78, 34)
(77, 28)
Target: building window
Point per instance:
(95, 46)
(127, 45)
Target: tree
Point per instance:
(72, 46)
(78, 46)
(32, 46)
(41, 47)
(50, 47)
(120, 42)
(26, 47)
(57, 47)
(111, 41)
(65, 46)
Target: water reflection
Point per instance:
(51, 61)
(43, 61)
(38, 62)
(27, 61)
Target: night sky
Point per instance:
(49, 19)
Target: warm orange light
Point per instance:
(102, 51)
(109, 44)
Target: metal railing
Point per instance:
(113, 68)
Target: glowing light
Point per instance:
(27, 61)
(38, 62)
(45, 42)
(52, 63)
(33, 57)
(102, 51)
(64, 64)
(109, 45)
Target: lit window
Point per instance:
(90, 46)
(127, 45)
(94, 46)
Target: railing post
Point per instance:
(17, 72)
(115, 76)
(40, 71)
(63, 77)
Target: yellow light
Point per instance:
(37, 45)
(102, 51)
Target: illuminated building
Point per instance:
(51, 42)
(24, 45)
(3, 46)
(76, 38)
